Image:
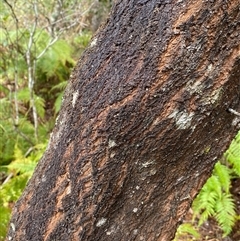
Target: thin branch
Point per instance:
(7, 179)
(12, 10)
(234, 112)
(16, 116)
(30, 68)
(50, 43)
(23, 135)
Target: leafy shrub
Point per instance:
(215, 199)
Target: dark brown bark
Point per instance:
(144, 119)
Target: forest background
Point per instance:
(40, 42)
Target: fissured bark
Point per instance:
(144, 118)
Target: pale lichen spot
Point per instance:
(209, 68)
(94, 42)
(135, 231)
(135, 210)
(68, 189)
(13, 227)
(74, 99)
(214, 97)
(183, 119)
(112, 154)
(111, 143)
(236, 122)
(101, 222)
(111, 230)
(152, 172)
(148, 163)
(56, 136)
(44, 178)
(196, 87)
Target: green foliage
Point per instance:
(17, 174)
(215, 199)
(232, 155)
(189, 230)
(55, 62)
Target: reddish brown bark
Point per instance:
(144, 119)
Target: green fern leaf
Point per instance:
(225, 213)
(232, 155)
(21, 164)
(213, 184)
(23, 95)
(186, 228)
(40, 105)
(4, 219)
(205, 202)
(58, 103)
(223, 174)
(60, 86)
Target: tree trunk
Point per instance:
(144, 119)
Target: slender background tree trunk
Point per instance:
(144, 118)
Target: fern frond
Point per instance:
(205, 204)
(213, 184)
(232, 155)
(4, 220)
(60, 86)
(40, 105)
(21, 164)
(223, 174)
(225, 213)
(23, 95)
(58, 102)
(186, 228)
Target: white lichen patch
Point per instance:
(111, 143)
(62, 120)
(74, 99)
(135, 231)
(68, 189)
(209, 68)
(111, 230)
(94, 42)
(183, 119)
(148, 163)
(101, 222)
(13, 227)
(44, 178)
(236, 122)
(112, 154)
(213, 98)
(196, 87)
(135, 210)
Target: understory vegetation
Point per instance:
(40, 42)
(215, 199)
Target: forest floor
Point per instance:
(210, 230)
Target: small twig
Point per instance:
(234, 112)
(7, 179)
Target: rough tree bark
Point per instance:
(144, 118)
